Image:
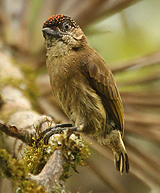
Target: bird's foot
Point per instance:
(59, 128)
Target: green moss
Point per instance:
(36, 157)
(29, 186)
(10, 167)
(37, 154)
(75, 151)
(17, 171)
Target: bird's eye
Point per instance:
(66, 26)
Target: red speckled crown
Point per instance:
(55, 20)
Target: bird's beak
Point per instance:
(50, 32)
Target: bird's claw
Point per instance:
(59, 128)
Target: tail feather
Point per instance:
(121, 162)
(115, 142)
(127, 163)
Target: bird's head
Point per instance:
(61, 28)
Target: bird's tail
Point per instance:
(114, 141)
(121, 161)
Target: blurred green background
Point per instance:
(127, 34)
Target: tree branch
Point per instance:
(21, 120)
(50, 174)
(147, 60)
(13, 131)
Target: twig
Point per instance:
(19, 133)
(147, 60)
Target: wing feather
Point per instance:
(101, 79)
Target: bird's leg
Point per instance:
(56, 129)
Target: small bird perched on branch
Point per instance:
(84, 86)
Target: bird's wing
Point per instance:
(101, 79)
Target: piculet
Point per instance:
(84, 86)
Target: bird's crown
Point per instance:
(56, 20)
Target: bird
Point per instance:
(84, 86)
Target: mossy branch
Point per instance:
(45, 167)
